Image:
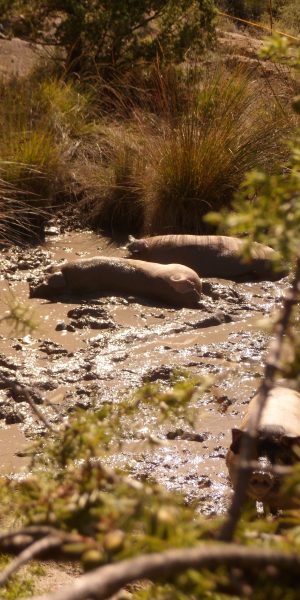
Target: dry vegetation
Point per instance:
(151, 152)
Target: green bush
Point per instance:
(246, 9)
(288, 16)
(115, 34)
(113, 517)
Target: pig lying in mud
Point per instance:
(277, 444)
(208, 255)
(173, 284)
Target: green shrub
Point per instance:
(245, 9)
(69, 487)
(288, 17)
(115, 34)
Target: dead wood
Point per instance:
(36, 549)
(106, 581)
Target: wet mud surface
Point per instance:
(94, 349)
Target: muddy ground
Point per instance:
(90, 350)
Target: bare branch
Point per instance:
(13, 542)
(106, 581)
(36, 549)
(31, 532)
(37, 411)
(26, 393)
(272, 367)
(147, 20)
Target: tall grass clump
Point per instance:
(132, 113)
(174, 143)
(27, 140)
(147, 92)
(29, 156)
(68, 107)
(200, 160)
(111, 179)
(40, 122)
(19, 219)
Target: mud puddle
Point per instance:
(94, 349)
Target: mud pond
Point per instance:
(91, 350)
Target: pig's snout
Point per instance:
(260, 485)
(262, 480)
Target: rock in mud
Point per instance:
(52, 348)
(92, 317)
(180, 434)
(162, 373)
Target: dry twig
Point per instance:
(106, 581)
(36, 549)
(14, 542)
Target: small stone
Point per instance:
(18, 346)
(23, 264)
(52, 231)
(13, 418)
(61, 326)
(90, 376)
(120, 357)
(204, 482)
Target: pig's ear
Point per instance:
(136, 246)
(293, 442)
(296, 446)
(291, 438)
(181, 284)
(236, 438)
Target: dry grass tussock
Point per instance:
(199, 164)
(20, 219)
(110, 176)
(153, 151)
(186, 153)
(40, 123)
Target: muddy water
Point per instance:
(95, 349)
